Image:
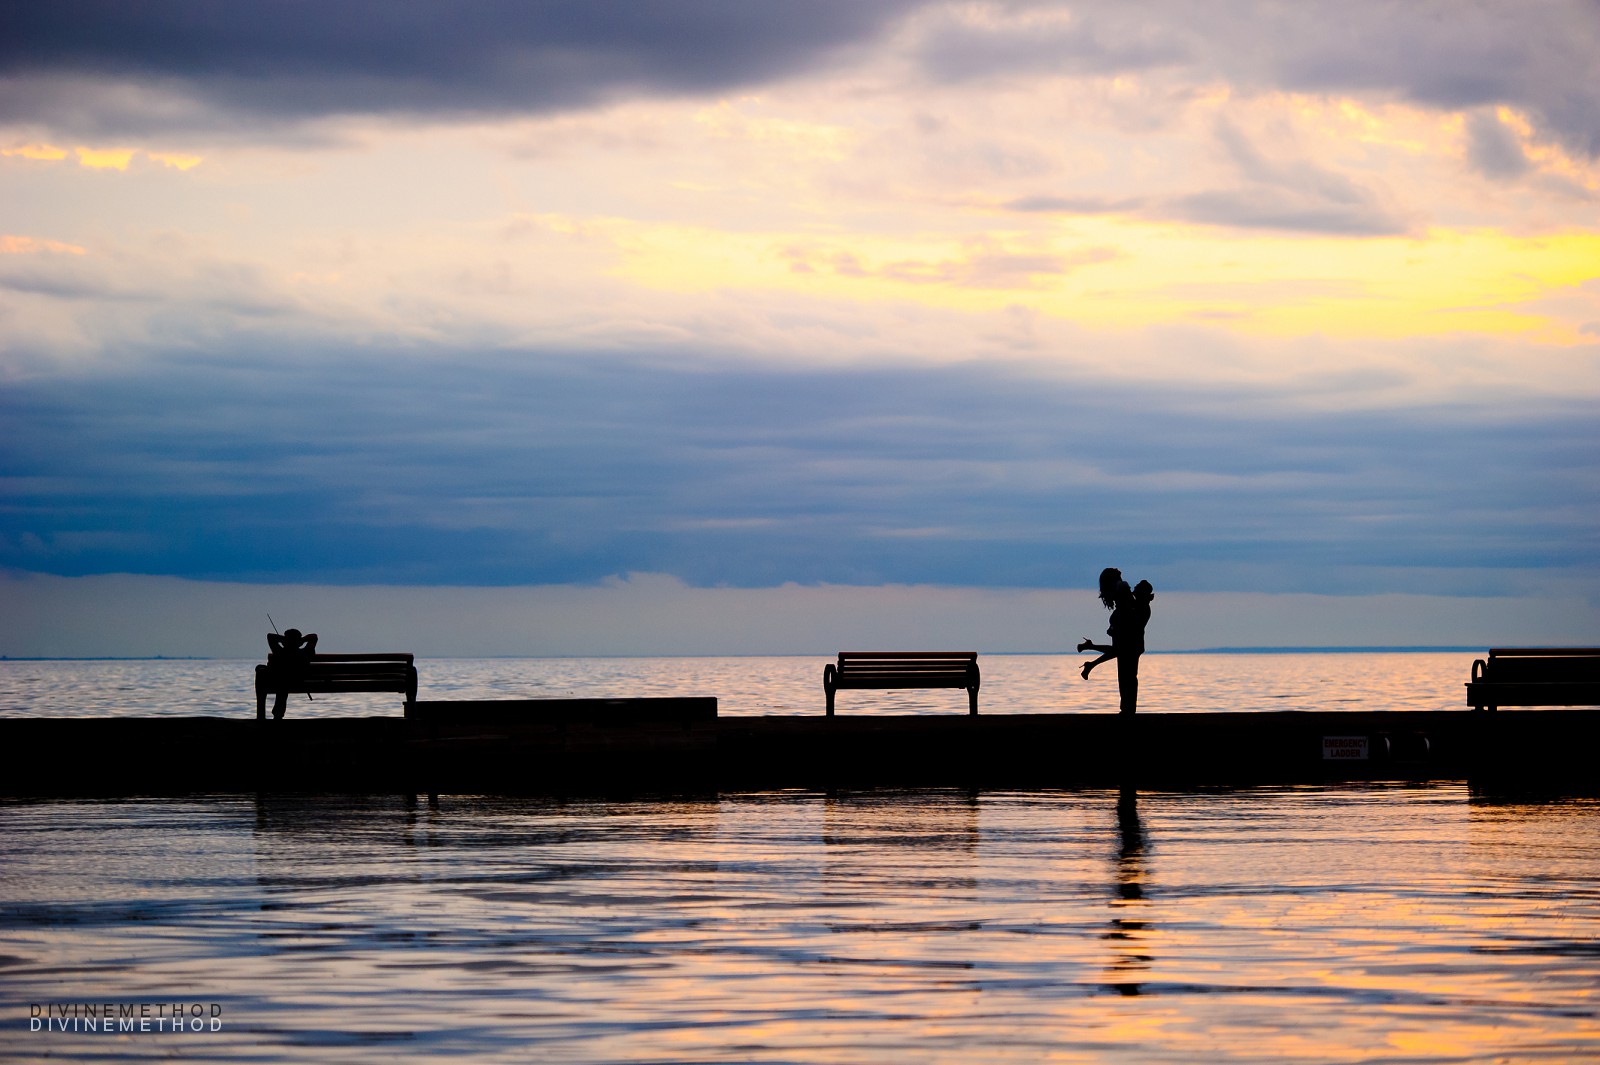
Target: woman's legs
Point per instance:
(1106, 653)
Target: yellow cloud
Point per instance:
(176, 160)
(13, 245)
(46, 152)
(1122, 273)
(1418, 130)
(106, 158)
(103, 158)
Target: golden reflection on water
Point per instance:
(1282, 925)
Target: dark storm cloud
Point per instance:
(499, 470)
(72, 62)
(1453, 55)
(103, 66)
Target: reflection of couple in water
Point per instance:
(1130, 613)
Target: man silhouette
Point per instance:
(1129, 644)
(289, 652)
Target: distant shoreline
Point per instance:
(801, 654)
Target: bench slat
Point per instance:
(868, 680)
(866, 671)
(847, 655)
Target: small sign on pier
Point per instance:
(1344, 749)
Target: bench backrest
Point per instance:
(383, 657)
(380, 662)
(1541, 664)
(906, 663)
(335, 669)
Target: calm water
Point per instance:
(777, 685)
(1360, 923)
(1302, 925)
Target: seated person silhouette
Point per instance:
(288, 651)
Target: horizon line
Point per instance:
(1305, 649)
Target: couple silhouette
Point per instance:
(1130, 613)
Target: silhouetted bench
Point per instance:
(903, 669)
(1535, 676)
(321, 674)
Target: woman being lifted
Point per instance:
(1130, 613)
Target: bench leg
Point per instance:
(972, 701)
(261, 705)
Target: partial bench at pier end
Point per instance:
(321, 674)
(1535, 676)
(903, 669)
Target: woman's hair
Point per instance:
(1110, 585)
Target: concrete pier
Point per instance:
(629, 746)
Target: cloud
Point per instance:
(11, 244)
(1075, 204)
(1281, 209)
(37, 152)
(100, 66)
(978, 41)
(1451, 55)
(1288, 195)
(182, 275)
(1493, 149)
(982, 265)
(539, 468)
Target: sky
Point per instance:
(717, 327)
